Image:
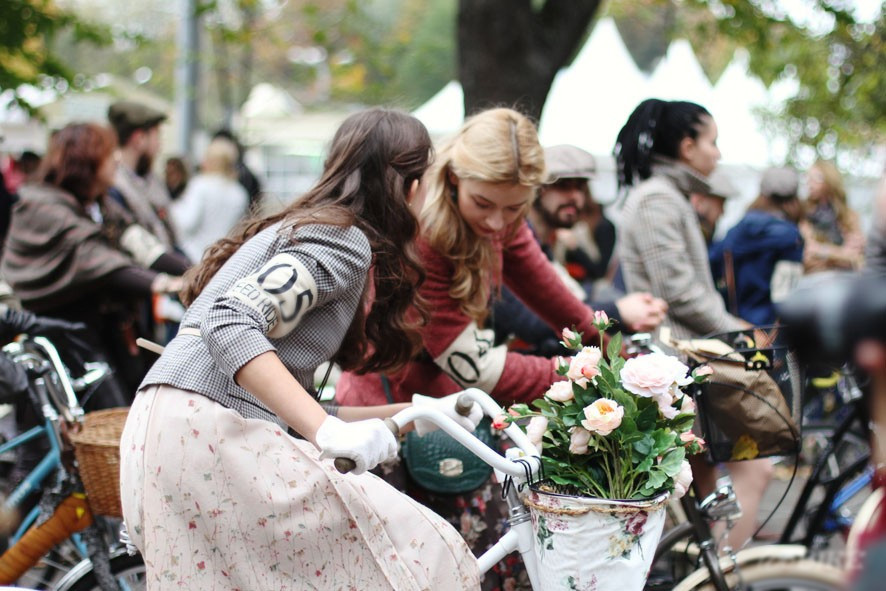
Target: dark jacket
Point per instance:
(757, 244)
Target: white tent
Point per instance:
(590, 100)
(679, 76)
(444, 112)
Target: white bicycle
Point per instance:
(519, 466)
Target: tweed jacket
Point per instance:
(662, 251)
(293, 293)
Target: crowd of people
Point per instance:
(418, 271)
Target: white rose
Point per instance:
(536, 429)
(683, 480)
(578, 441)
(560, 391)
(653, 374)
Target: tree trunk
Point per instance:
(509, 51)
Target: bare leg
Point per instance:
(749, 480)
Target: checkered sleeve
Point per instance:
(268, 293)
(672, 276)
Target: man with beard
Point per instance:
(558, 206)
(136, 187)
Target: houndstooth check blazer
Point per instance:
(293, 294)
(662, 251)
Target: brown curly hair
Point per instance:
(375, 157)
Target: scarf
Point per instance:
(54, 248)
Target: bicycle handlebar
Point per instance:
(465, 437)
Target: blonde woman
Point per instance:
(831, 230)
(474, 239)
(212, 203)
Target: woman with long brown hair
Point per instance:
(215, 492)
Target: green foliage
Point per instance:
(607, 437)
(835, 59)
(27, 31)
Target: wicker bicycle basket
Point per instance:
(97, 449)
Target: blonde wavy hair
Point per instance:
(494, 146)
(836, 191)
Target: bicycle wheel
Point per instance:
(789, 575)
(129, 571)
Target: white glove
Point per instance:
(446, 405)
(368, 442)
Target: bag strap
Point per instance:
(386, 385)
(731, 293)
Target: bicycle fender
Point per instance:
(769, 552)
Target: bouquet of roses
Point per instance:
(614, 429)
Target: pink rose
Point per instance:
(569, 335)
(601, 320)
(584, 366)
(688, 405)
(653, 374)
(560, 391)
(703, 370)
(578, 441)
(683, 480)
(603, 416)
(536, 429)
(499, 422)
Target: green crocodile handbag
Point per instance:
(440, 464)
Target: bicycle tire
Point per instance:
(129, 569)
(795, 575)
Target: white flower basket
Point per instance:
(589, 544)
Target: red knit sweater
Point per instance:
(458, 354)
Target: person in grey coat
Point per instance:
(664, 153)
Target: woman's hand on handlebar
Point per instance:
(446, 405)
(367, 443)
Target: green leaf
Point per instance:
(673, 461)
(648, 414)
(683, 421)
(613, 350)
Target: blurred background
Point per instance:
(787, 81)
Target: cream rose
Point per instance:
(560, 391)
(585, 366)
(682, 480)
(653, 375)
(603, 416)
(536, 429)
(578, 441)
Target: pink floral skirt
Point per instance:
(218, 502)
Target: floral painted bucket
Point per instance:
(590, 544)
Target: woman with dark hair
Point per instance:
(664, 153)
(226, 475)
(72, 253)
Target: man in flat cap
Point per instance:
(761, 258)
(136, 187)
(559, 205)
